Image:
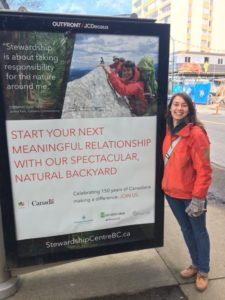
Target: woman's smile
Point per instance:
(179, 109)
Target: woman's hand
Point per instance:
(196, 207)
(106, 68)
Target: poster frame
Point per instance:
(121, 26)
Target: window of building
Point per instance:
(187, 59)
(206, 22)
(220, 61)
(204, 43)
(206, 11)
(210, 2)
(150, 6)
(154, 15)
(206, 32)
(166, 9)
(145, 9)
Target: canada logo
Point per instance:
(21, 204)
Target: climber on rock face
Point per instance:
(129, 85)
(117, 64)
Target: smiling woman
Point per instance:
(186, 179)
(91, 7)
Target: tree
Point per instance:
(30, 4)
(4, 4)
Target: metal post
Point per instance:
(8, 284)
(173, 63)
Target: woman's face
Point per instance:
(179, 109)
(127, 73)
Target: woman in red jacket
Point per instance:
(187, 176)
(129, 85)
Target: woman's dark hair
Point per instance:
(192, 115)
(129, 64)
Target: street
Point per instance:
(215, 126)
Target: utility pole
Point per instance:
(173, 63)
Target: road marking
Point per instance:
(217, 123)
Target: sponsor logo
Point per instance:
(50, 201)
(21, 204)
(116, 216)
(83, 219)
(141, 213)
(104, 215)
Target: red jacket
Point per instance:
(133, 89)
(116, 67)
(188, 171)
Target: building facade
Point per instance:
(196, 30)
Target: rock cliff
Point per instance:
(91, 96)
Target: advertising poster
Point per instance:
(83, 101)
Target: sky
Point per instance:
(90, 7)
(106, 46)
(132, 47)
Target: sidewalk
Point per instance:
(211, 108)
(135, 272)
(132, 272)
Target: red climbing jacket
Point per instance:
(132, 88)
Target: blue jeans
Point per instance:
(194, 232)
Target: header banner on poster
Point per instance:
(82, 123)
